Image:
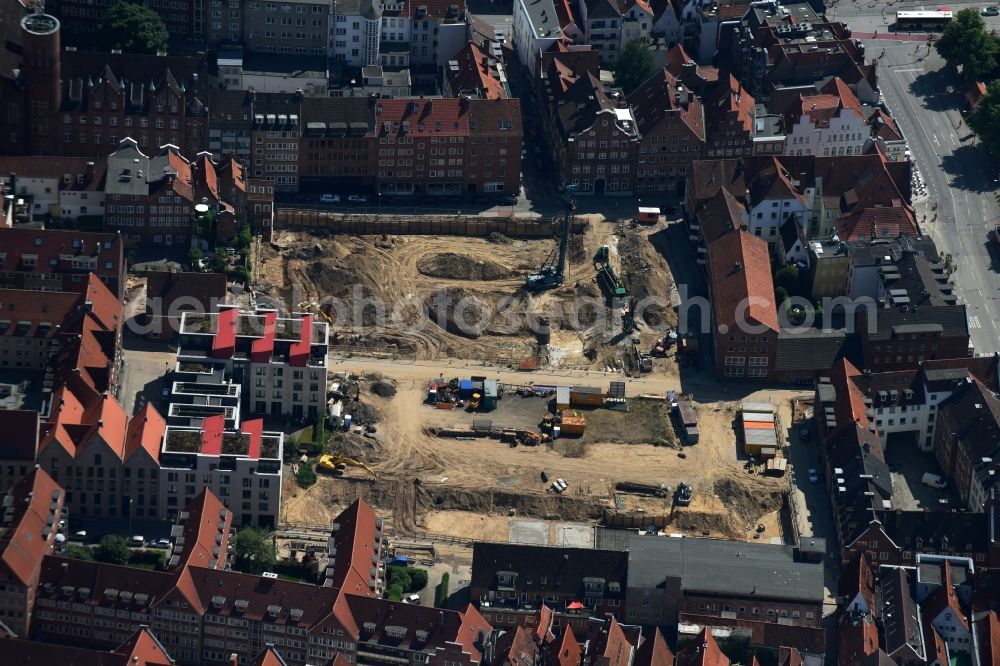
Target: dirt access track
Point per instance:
(422, 475)
(419, 280)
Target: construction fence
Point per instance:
(438, 225)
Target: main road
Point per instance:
(961, 179)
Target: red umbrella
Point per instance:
(574, 605)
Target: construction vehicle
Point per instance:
(609, 282)
(314, 308)
(337, 465)
(683, 495)
(552, 273)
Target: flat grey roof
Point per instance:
(543, 18)
(723, 567)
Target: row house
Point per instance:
(744, 313)
(336, 144)
(57, 189)
(608, 25)
(596, 138)
(152, 199)
(729, 113)
(82, 104)
(671, 126)
(967, 440)
(61, 260)
(204, 613)
(857, 411)
(33, 520)
(140, 649)
(274, 140)
(471, 72)
(921, 614)
(537, 27)
(511, 581)
(830, 123)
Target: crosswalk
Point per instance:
(974, 322)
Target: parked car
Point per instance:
(508, 200)
(358, 198)
(330, 198)
(933, 480)
(411, 599)
(137, 541)
(813, 476)
(79, 536)
(161, 543)
(990, 11)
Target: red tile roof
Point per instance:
(884, 126)
(857, 637)
(425, 117)
(657, 97)
(269, 657)
(145, 431)
(569, 651)
(732, 99)
(739, 267)
(475, 75)
(654, 651)
(944, 598)
(142, 649)
(850, 405)
(206, 533)
(702, 651)
(20, 428)
(733, 11)
(858, 577)
(879, 222)
(23, 538)
(989, 639)
(25, 311)
(435, 9)
(355, 537)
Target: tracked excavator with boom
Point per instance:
(552, 273)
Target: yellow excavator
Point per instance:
(313, 307)
(334, 464)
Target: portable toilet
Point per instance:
(465, 389)
(347, 422)
(490, 392)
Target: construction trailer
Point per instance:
(688, 418)
(648, 215)
(491, 394)
(590, 396)
(562, 397)
(760, 439)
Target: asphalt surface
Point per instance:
(925, 98)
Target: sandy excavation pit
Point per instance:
(401, 292)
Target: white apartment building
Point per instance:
(355, 30)
(279, 362)
(536, 28)
(241, 465)
(828, 124)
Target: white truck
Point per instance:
(934, 481)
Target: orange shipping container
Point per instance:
(573, 425)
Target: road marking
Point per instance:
(911, 69)
(974, 322)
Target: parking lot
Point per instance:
(907, 465)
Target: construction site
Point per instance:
(560, 301)
(483, 429)
(463, 473)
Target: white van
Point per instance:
(411, 599)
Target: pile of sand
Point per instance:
(454, 266)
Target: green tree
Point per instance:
(219, 262)
(985, 122)
(633, 66)
(78, 552)
(394, 593)
(195, 255)
(788, 278)
(253, 551)
(133, 28)
(306, 476)
(243, 239)
(966, 43)
(112, 549)
(418, 579)
(441, 592)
